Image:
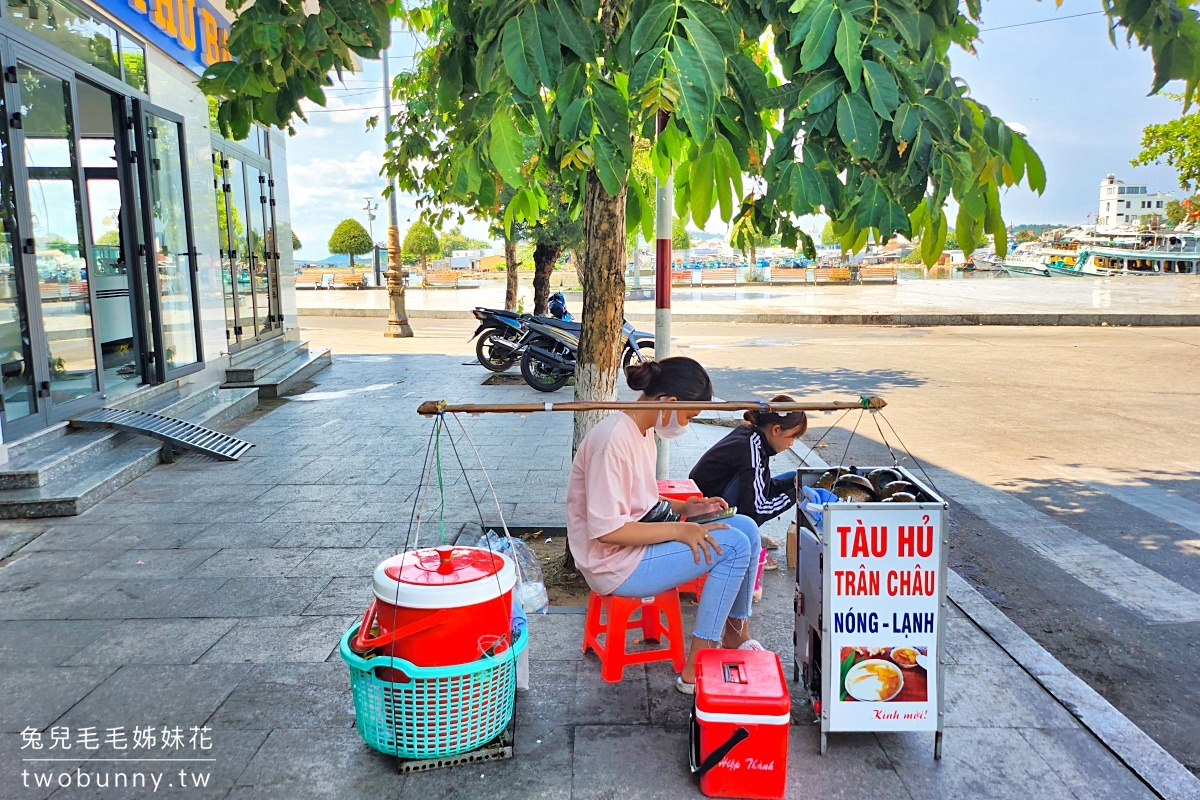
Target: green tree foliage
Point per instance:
(1175, 143)
(109, 239)
(421, 242)
(455, 239)
(681, 240)
(350, 238)
(1177, 211)
(296, 242)
(828, 234)
(849, 108)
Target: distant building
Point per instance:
(1128, 205)
(487, 263)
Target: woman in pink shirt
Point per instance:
(628, 541)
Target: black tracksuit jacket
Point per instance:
(745, 454)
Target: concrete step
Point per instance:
(251, 366)
(303, 364)
(93, 473)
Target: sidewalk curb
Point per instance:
(916, 320)
(1157, 768)
(1145, 757)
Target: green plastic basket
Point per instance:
(438, 711)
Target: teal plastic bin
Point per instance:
(438, 711)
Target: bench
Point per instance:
(347, 280)
(877, 274)
(831, 275)
(445, 277)
(681, 276)
(715, 276)
(789, 275)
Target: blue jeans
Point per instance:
(730, 585)
(733, 489)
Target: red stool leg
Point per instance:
(669, 602)
(612, 663)
(592, 627)
(651, 624)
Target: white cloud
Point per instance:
(1019, 128)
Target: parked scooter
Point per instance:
(501, 332)
(551, 347)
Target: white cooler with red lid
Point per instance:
(440, 606)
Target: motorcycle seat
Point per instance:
(574, 327)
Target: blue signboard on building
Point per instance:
(192, 32)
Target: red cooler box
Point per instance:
(740, 722)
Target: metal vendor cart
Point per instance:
(869, 615)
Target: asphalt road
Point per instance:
(1069, 455)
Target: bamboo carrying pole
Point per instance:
(434, 407)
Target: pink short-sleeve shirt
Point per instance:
(612, 483)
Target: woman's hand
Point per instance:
(699, 506)
(696, 536)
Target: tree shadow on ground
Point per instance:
(749, 382)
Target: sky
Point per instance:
(1082, 103)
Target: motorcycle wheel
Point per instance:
(629, 359)
(488, 355)
(542, 376)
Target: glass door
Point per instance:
(249, 257)
(170, 256)
(18, 400)
(56, 235)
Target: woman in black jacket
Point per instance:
(738, 467)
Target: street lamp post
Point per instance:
(371, 208)
(397, 326)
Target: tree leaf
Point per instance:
(857, 125)
(710, 53)
(609, 168)
(701, 186)
(652, 25)
(906, 122)
(574, 31)
(506, 149)
(881, 88)
(848, 50)
(521, 43)
(695, 102)
(818, 44)
(1034, 171)
(733, 169)
(715, 20)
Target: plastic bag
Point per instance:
(531, 587)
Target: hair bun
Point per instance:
(640, 376)
(751, 417)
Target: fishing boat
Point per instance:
(1026, 262)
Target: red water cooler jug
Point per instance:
(740, 722)
(440, 606)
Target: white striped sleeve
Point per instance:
(764, 504)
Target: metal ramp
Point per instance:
(176, 433)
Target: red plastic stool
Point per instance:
(611, 617)
(693, 587)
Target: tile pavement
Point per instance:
(214, 594)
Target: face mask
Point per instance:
(673, 429)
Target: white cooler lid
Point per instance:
(444, 577)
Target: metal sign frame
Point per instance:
(829, 670)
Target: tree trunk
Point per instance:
(544, 256)
(510, 266)
(602, 273)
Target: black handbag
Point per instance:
(660, 512)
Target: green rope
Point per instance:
(437, 455)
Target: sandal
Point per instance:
(750, 644)
(767, 542)
(770, 564)
(683, 687)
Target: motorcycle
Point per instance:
(500, 332)
(551, 347)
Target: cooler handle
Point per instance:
(737, 737)
(364, 642)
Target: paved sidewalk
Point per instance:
(210, 594)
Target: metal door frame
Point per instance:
(140, 109)
(48, 413)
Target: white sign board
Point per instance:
(884, 584)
